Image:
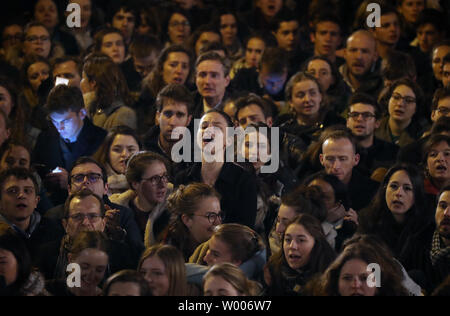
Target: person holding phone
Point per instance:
(74, 136)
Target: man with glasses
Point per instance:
(18, 201)
(74, 136)
(87, 173)
(363, 119)
(147, 175)
(83, 211)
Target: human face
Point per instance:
(287, 35)
(443, 109)
(179, 29)
(176, 68)
(124, 289)
(389, 32)
(217, 286)
(211, 80)
(16, 157)
(68, 70)
(326, 38)
(428, 36)
(353, 279)
(98, 187)
(46, 13)
(93, 264)
(206, 38)
(68, 124)
(18, 200)
(198, 224)
(4, 132)
(443, 215)
(362, 128)
(297, 246)
(339, 158)
(212, 132)
(9, 267)
(154, 272)
(173, 115)
(37, 42)
(12, 36)
(446, 75)
(256, 149)
(122, 148)
(144, 66)
(37, 73)
(150, 188)
(269, 8)
(87, 206)
(273, 83)
(285, 215)
(438, 61)
(219, 252)
(321, 70)
(86, 11)
(410, 9)
(228, 29)
(360, 54)
(125, 22)
(438, 162)
(254, 51)
(328, 195)
(399, 195)
(113, 45)
(252, 113)
(400, 109)
(6, 103)
(306, 98)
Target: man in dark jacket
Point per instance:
(87, 173)
(74, 136)
(18, 201)
(363, 120)
(339, 158)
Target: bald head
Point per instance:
(361, 53)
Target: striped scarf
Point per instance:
(437, 252)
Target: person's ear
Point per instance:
(227, 80)
(157, 118)
(69, 257)
(189, 120)
(65, 222)
(433, 116)
(321, 160)
(357, 158)
(82, 114)
(187, 221)
(38, 198)
(135, 185)
(269, 121)
(106, 187)
(377, 124)
(312, 37)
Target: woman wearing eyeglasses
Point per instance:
(404, 123)
(196, 212)
(147, 176)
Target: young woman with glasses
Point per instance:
(196, 212)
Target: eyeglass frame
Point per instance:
(220, 215)
(398, 97)
(156, 179)
(365, 115)
(100, 176)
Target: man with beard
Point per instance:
(18, 201)
(174, 109)
(363, 119)
(440, 247)
(361, 57)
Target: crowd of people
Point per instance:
(354, 118)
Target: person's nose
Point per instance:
(356, 283)
(336, 164)
(293, 245)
